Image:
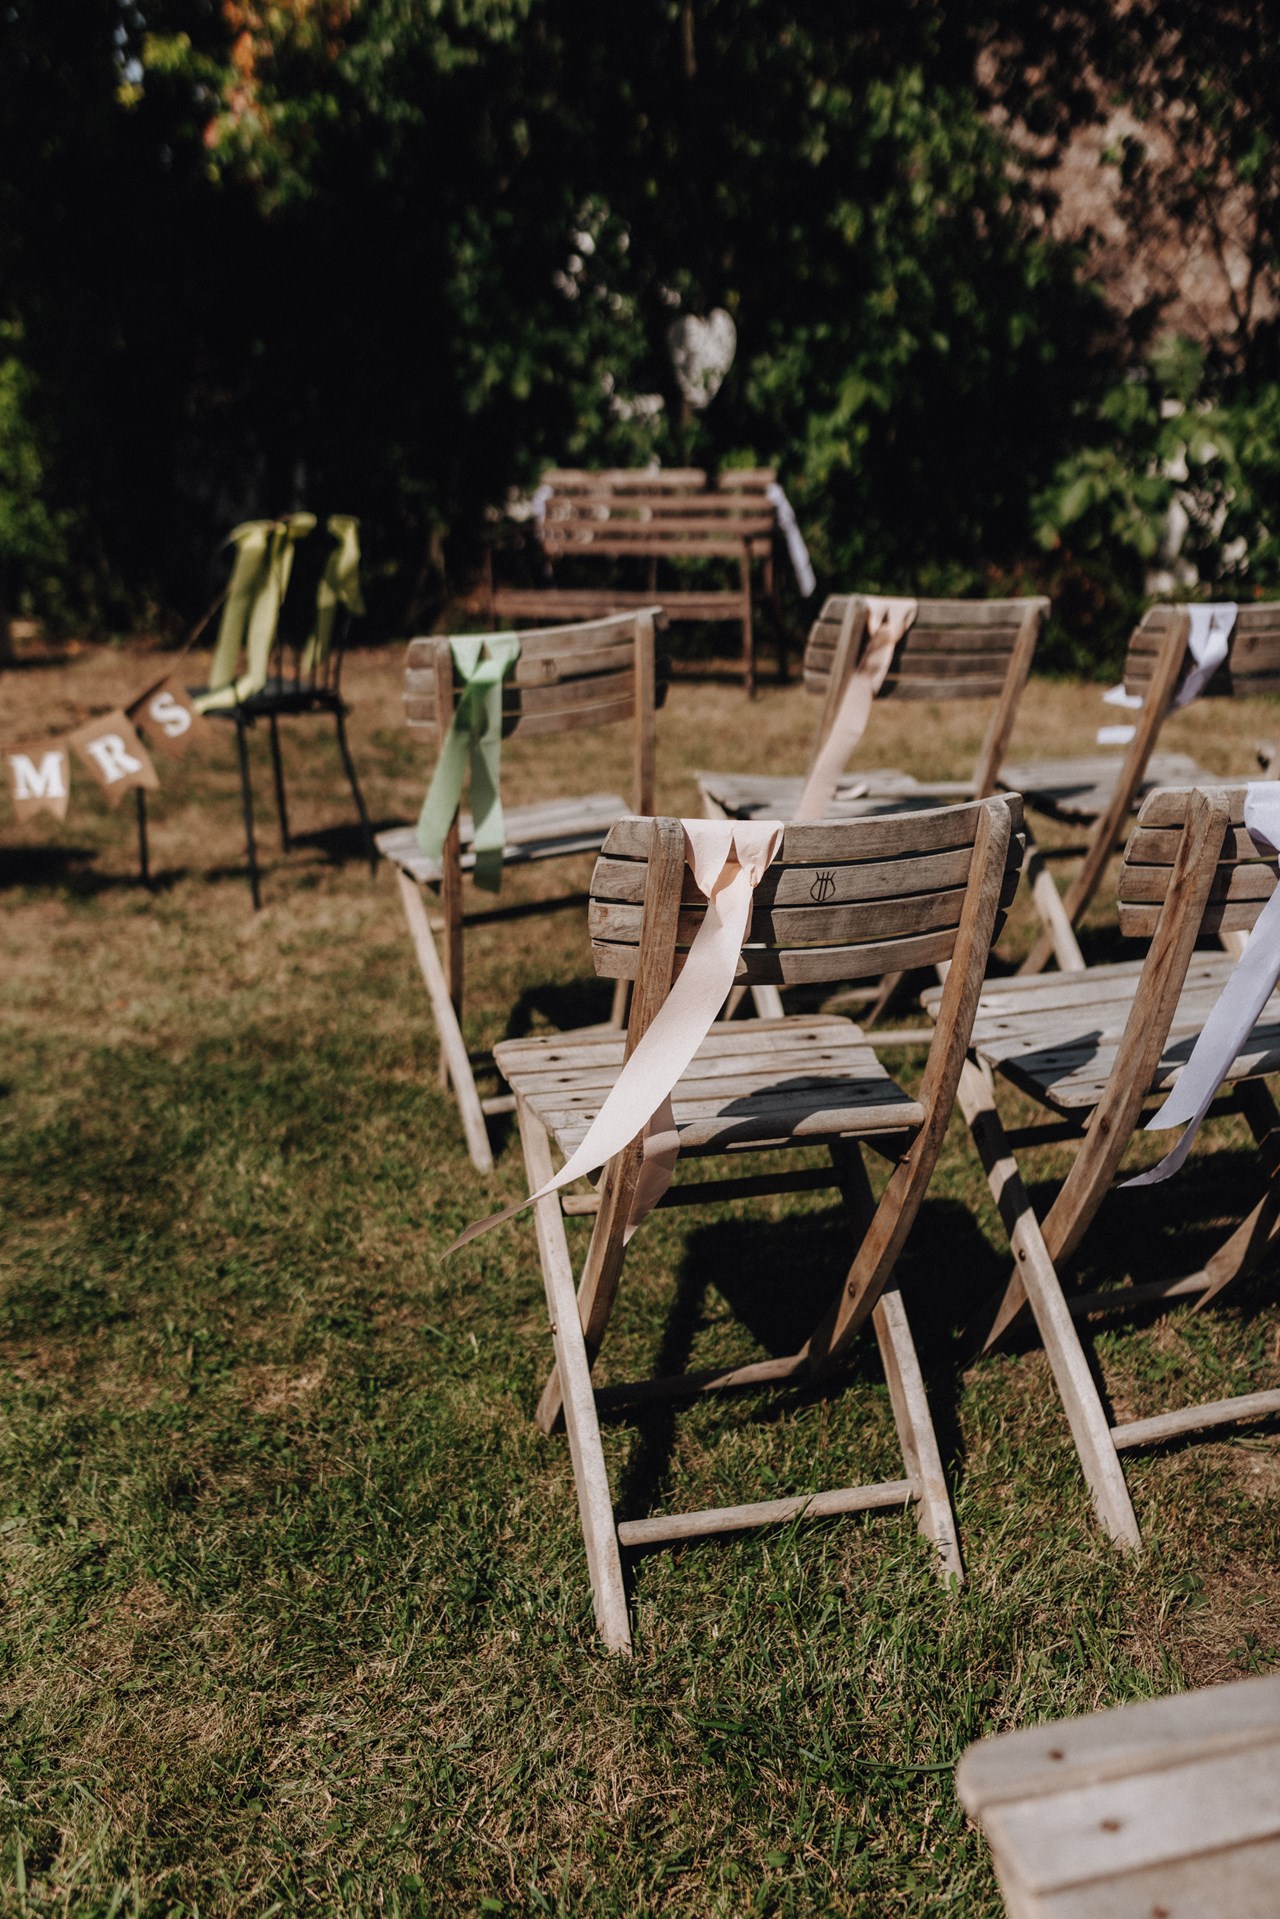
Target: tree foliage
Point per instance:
(393, 256)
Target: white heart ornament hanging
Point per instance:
(701, 353)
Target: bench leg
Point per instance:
(748, 634)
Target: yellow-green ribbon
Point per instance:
(475, 736)
(251, 612)
(339, 586)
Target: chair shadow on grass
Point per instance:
(778, 1277)
(71, 869)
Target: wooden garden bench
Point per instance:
(661, 518)
(567, 680)
(1094, 1047)
(1169, 1809)
(932, 885)
(1100, 791)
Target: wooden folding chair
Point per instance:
(841, 899)
(954, 650)
(1100, 791)
(568, 680)
(1093, 1048)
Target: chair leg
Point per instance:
(916, 1435)
(1035, 1269)
(144, 863)
(371, 851)
(595, 1502)
(246, 797)
(277, 768)
(1058, 939)
(452, 1045)
(768, 1002)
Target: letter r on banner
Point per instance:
(114, 754)
(114, 760)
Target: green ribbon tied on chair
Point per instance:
(339, 586)
(475, 736)
(251, 610)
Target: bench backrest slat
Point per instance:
(844, 900)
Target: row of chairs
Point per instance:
(902, 876)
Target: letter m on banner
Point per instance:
(39, 778)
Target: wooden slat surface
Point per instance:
(1081, 789)
(841, 901)
(549, 829)
(1168, 1808)
(955, 649)
(537, 602)
(751, 1080)
(1056, 1035)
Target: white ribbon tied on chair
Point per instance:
(727, 858)
(784, 512)
(1207, 642)
(887, 621)
(1238, 1008)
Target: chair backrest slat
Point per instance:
(567, 679)
(1252, 665)
(954, 650)
(844, 900)
(1242, 883)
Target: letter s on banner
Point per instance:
(39, 779)
(170, 718)
(114, 754)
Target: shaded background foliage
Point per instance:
(393, 256)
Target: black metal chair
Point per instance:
(288, 610)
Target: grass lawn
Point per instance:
(296, 1613)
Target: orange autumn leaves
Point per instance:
(261, 36)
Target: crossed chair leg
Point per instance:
(442, 973)
(1041, 1248)
(579, 1316)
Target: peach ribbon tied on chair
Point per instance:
(887, 621)
(728, 859)
(1237, 1009)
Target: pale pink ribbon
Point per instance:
(887, 621)
(1237, 1009)
(727, 858)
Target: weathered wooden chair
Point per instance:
(921, 889)
(954, 650)
(279, 650)
(1094, 1047)
(1169, 1809)
(1100, 791)
(568, 680)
